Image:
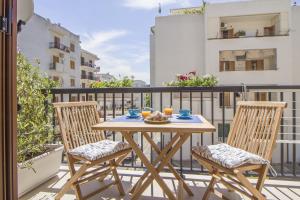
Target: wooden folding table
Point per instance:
(181, 132)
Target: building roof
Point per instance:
(88, 52)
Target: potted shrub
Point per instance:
(241, 33)
(38, 159)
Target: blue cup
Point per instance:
(184, 112)
(133, 112)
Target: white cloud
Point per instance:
(97, 39)
(151, 4)
(117, 58)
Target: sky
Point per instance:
(115, 30)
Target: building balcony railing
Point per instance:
(86, 76)
(54, 45)
(87, 64)
(248, 36)
(216, 104)
(57, 67)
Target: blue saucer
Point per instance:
(184, 117)
(133, 116)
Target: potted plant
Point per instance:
(38, 159)
(241, 33)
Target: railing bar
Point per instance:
(234, 103)
(181, 172)
(212, 115)
(142, 137)
(223, 117)
(114, 113)
(122, 96)
(294, 135)
(281, 137)
(201, 111)
(104, 106)
(131, 100)
(191, 138)
(160, 107)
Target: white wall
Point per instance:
(295, 34)
(178, 47)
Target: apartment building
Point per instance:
(250, 42)
(53, 48)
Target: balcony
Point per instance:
(87, 64)
(250, 26)
(218, 105)
(53, 45)
(274, 188)
(59, 67)
(86, 76)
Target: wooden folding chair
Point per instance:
(98, 157)
(254, 129)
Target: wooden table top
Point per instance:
(204, 126)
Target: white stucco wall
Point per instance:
(178, 47)
(295, 34)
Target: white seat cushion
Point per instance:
(228, 156)
(95, 151)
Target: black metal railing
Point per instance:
(217, 104)
(59, 46)
(88, 64)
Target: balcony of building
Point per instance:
(250, 26)
(216, 104)
(59, 46)
(59, 67)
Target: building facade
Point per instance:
(54, 49)
(234, 41)
(88, 68)
(250, 42)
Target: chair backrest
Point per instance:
(255, 127)
(75, 120)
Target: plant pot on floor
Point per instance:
(45, 167)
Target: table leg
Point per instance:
(157, 160)
(150, 167)
(169, 155)
(171, 168)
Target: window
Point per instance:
(56, 40)
(227, 66)
(254, 65)
(83, 85)
(83, 98)
(72, 47)
(82, 60)
(72, 82)
(55, 78)
(223, 129)
(90, 97)
(55, 59)
(72, 64)
(227, 102)
(261, 96)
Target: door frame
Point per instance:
(8, 103)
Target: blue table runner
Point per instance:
(173, 119)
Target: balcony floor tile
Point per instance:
(279, 188)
